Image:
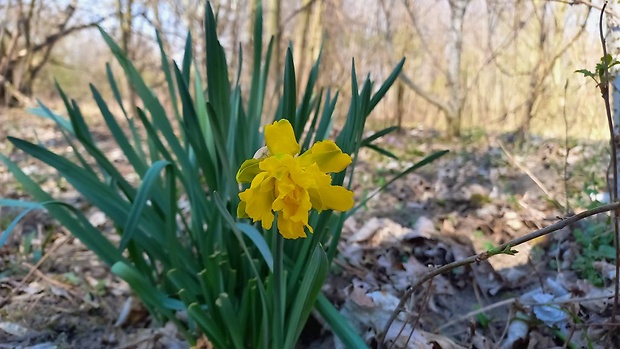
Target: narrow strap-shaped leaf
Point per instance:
(305, 296)
(325, 125)
(29, 207)
(306, 104)
(134, 159)
(379, 134)
(115, 91)
(339, 325)
(218, 86)
(165, 66)
(187, 57)
(100, 195)
(427, 160)
(191, 128)
(382, 151)
(207, 324)
(68, 133)
(140, 202)
(386, 85)
(75, 221)
(151, 295)
(227, 312)
(45, 112)
(117, 95)
(315, 118)
(289, 97)
(259, 241)
(261, 287)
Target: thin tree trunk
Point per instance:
(125, 17)
(273, 29)
(301, 36)
(613, 45)
(454, 52)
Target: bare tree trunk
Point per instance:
(300, 40)
(316, 30)
(253, 9)
(273, 29)
(125, 18)
(234, 31)
(454, 52)
(613, 46)
(23, 52)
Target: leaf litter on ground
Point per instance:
(467, 202)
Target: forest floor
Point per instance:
(556, 291)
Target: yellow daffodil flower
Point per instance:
(290, 184)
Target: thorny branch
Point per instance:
(506, 248)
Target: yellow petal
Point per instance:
(331, 197)
(290, 229)
(241, 210)
(327, 156)
(248, 170)
(258, 201)
(280, 138)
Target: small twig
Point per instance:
(416, 321)
(35, 268)
(566, 150)
(505, 248)
(525, 170)
(513, 300)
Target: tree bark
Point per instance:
(613, 48)
(273, 29)
(125, 18)
(22, 56)
(300, 40)
(454, 52)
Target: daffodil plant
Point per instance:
(217, 254)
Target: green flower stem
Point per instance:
(278, 295)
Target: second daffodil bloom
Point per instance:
(290, 184)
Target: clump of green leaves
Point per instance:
(599, 75)
(596, 242)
